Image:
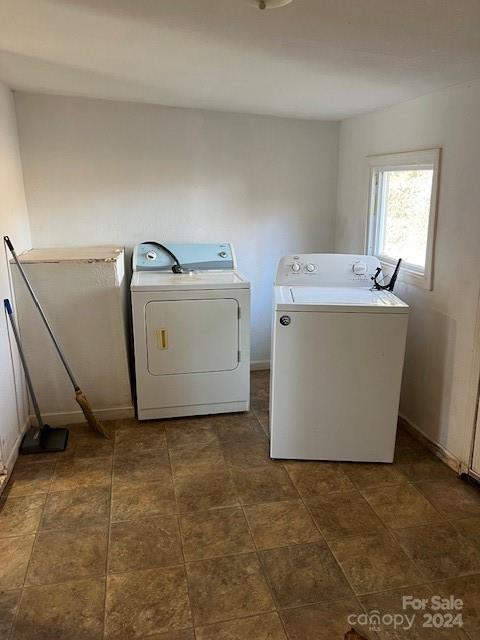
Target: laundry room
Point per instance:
(240, 348)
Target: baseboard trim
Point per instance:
(72, 417)
(12, 457)
(437, 449)
(259, 365)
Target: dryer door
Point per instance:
(192, 336)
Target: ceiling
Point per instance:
(325, 59)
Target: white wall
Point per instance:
(440, 373)
(14, 223)
(101, 172)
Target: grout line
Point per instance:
(325, 540)
(35, 536)
(107, 555)
(237, 618)
(338, 563)
(180, 532)
(32, 550)
(264, 572)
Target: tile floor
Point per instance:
(184, 529)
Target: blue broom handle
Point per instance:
(40, 310)
(28, 379)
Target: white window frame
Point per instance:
(427, 158)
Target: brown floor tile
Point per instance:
(185, 634)
(68, 611)
(20, 516)
(140, 439)
(205, 491)
(144, 544)
(259, 387)
(406, 441)
(187, 432)
(143, 500)
(322, 621)
(15, 556)
(304, 574)
(91, 445)
(411, 624)
(470, 528)
(243, 417)
(417, 468)
(440, 551)
(82, 507)
(197, 458)
(143, 603)
(265, 627)
(260, 402)
(468, 590)
(9, 602)
(125, 423)
(130, 469)
(217, 532)
(454, 498)
(401, 506)
(92, 472)
(406, 454)
(248, 454)
(60, 556)
(243, 428)
(264, 484)
(314, 479)
(225, 588)
(367, 476)
(264, 418)
(31, 479)
(45, 458)
(278, 524)
(82, 430)
(260, 379)
(374, 562)
(343, 514)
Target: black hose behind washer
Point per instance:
(177, 267)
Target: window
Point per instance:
(403, 203)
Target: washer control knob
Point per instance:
(359, 268)
(296, 267)
(151, 255)
(311, 267)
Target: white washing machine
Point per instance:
(191, 330)
(337, 358)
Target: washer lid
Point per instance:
(163, 281)
(348, 299)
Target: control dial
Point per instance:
(296, 267)
(359, 268)
(311, 267)
(151, 255)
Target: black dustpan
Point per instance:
(43, 438)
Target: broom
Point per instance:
(80, 397)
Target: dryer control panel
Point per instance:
(327, 269)
(148, 256)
